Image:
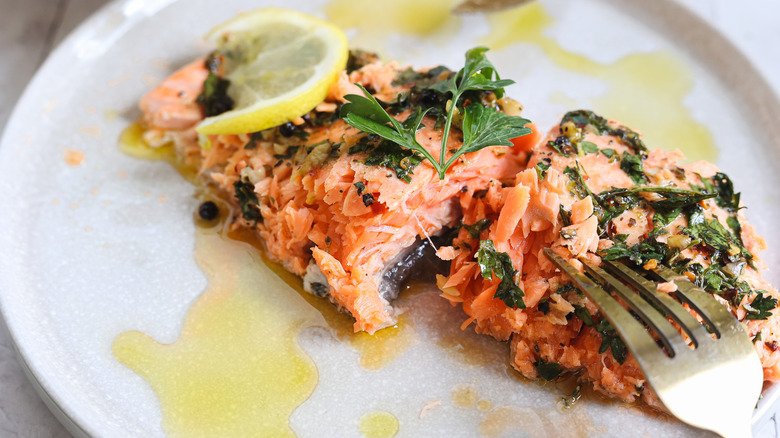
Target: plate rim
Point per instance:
(70, 418)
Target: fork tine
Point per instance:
(715, 314)
(634, 335)
(647, 288)
(671, 338)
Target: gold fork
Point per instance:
(714, 383)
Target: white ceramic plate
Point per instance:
(92, 250)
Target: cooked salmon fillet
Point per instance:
(592, 190)
(334, 205)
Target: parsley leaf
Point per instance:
(490, 262)
(482, 127)
(761, 306)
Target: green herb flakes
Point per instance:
(247, 199)
(761, 307)
(548, 370)
(499, 263)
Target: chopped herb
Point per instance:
(368, 199)
(761, 306)
(490, 262)
(588, 147)
(612, 203)
(609, 153)
(711, 232)
(632, 165)
(214, 99)
(640, 253)
(721, 185)
(541, 167)
(421, 79)
(582, 313)
(360, 187)
(247, 199)
(580, 188)
(566, 288)
(388, 154)
(548, 370)
(328, 240)
(254, 139)
(477, 227)
(569, 400)
(611, 340)
(561, 144)
(481, 126)
(585, 119)
(289, 153)
(757, 337)
(360, 58)
(565, 216)
(663, 218)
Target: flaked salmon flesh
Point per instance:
(309, 191)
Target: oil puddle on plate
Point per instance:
(236, 367)
(646, 91)
(379, 424)
(427, 19)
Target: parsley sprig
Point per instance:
(481, 126)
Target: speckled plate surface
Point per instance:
(96, 243)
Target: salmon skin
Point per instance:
(593, 190)
(348, 212)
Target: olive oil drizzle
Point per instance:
(429, 19)
(646, 91)
(237, 367)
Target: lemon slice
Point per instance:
(280, 64)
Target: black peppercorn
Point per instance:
(287, 130)
(208, 211)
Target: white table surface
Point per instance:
(29, 29)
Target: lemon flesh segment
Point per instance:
(281, 64)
